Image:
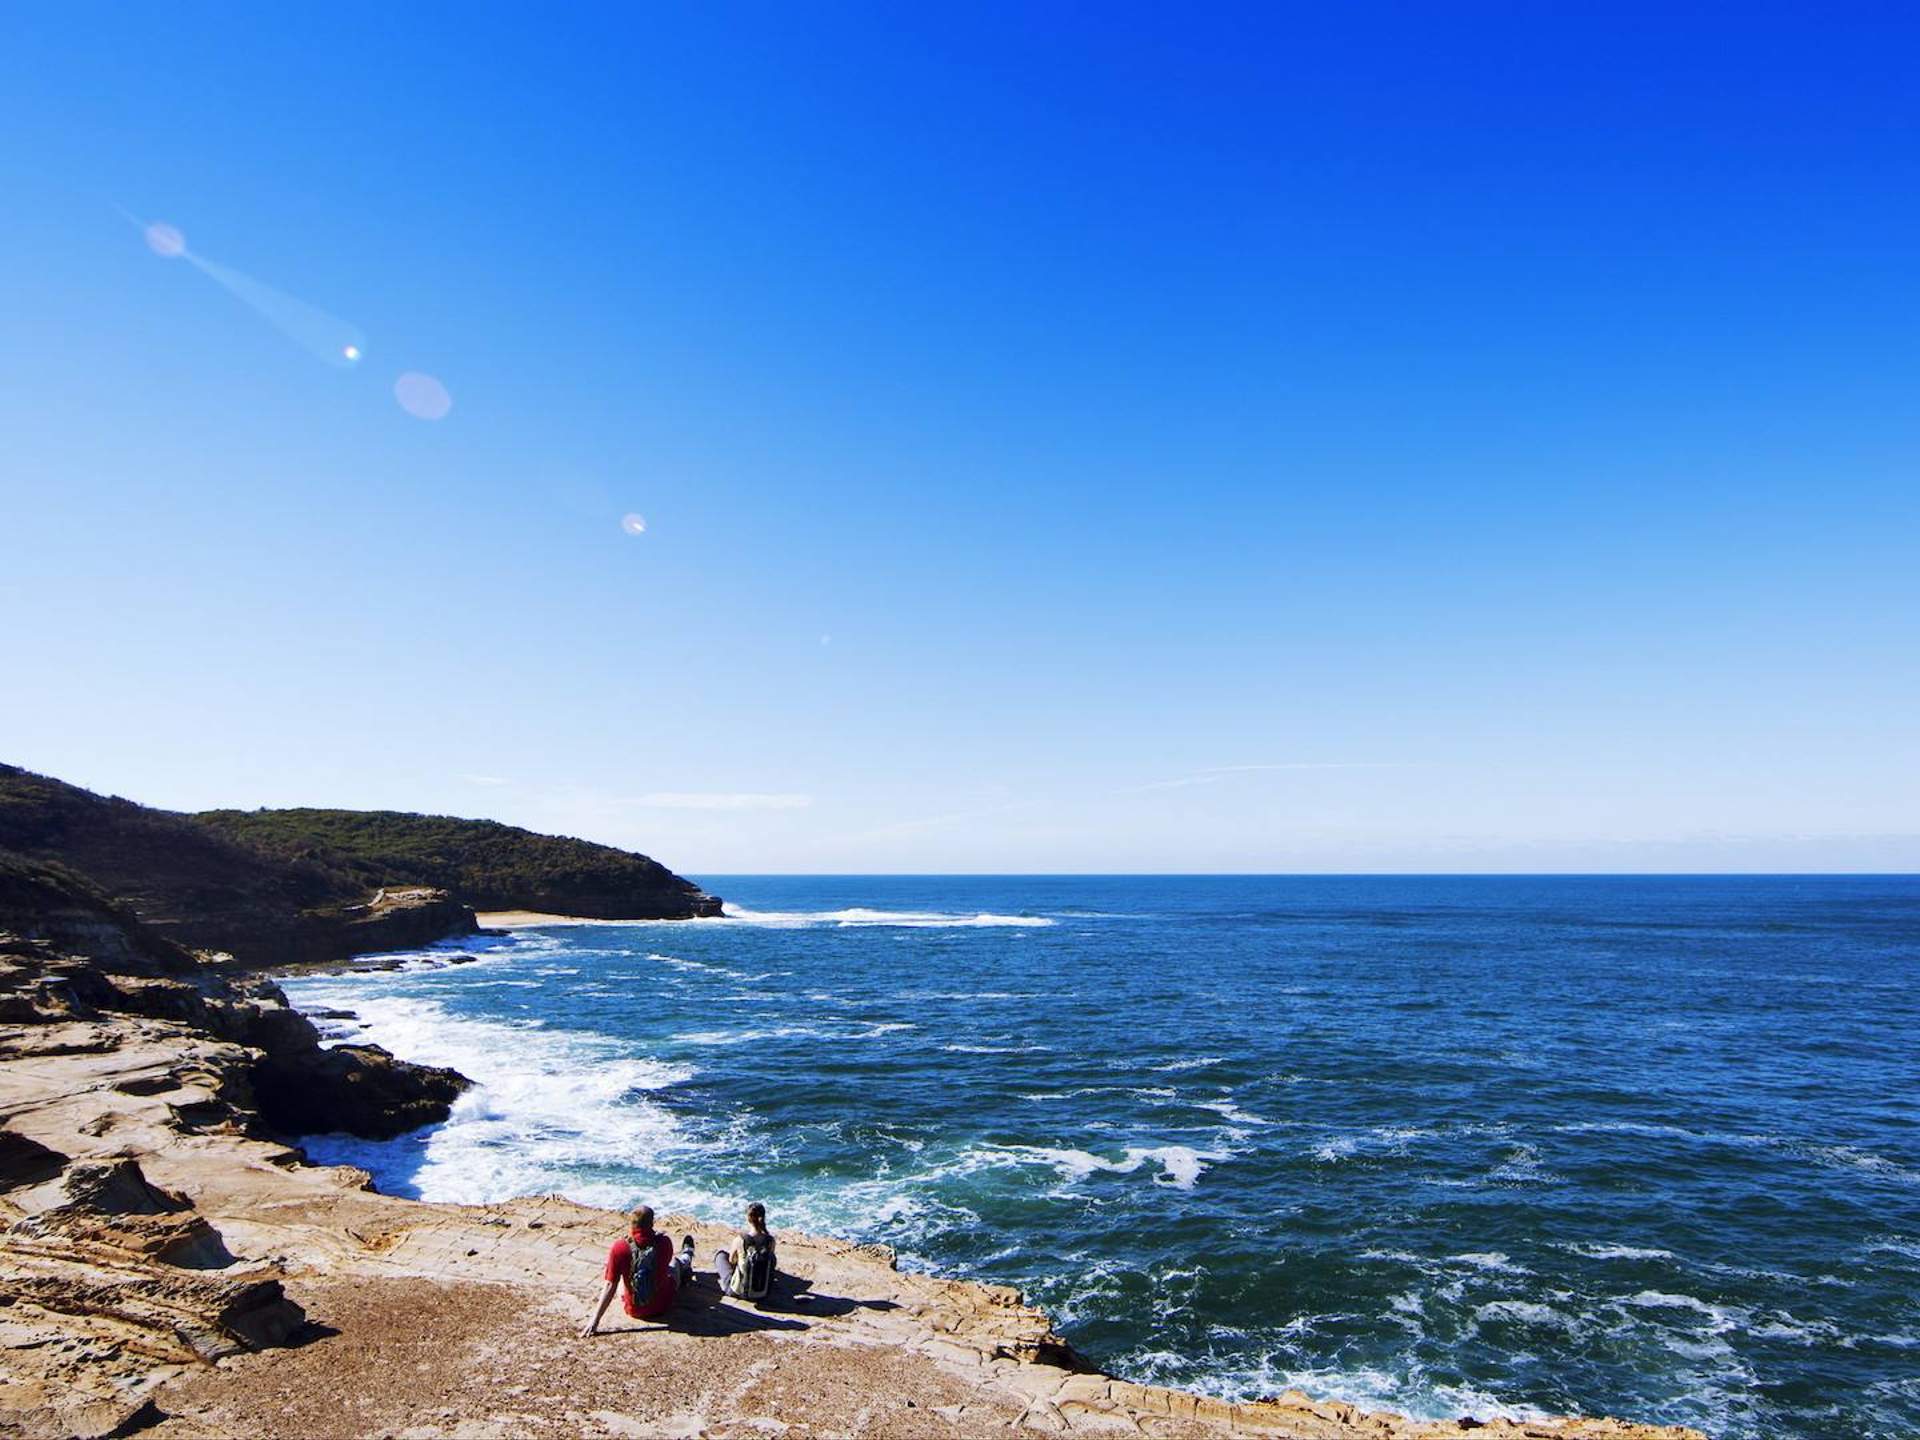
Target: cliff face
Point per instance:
(117, 1044)
(487, 865)
(70, 955)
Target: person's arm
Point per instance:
(606, 1299)
(616, 1262)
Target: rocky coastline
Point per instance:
(173, 1267)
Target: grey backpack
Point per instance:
(756, 1266)
(641, 1268)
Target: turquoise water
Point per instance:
(1648, 1147)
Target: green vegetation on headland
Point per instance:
(296, 886)
(487, 865)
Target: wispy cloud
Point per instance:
(484, 780)
(720, 800)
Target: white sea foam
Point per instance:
(1180, 1166)
(1490, 1260)
(545, 1102)
(968, 995)
(1412, 1392)
(1385, 1139)
(1522, 1167)
(1596, 1251)
(859, 915)
(825, 1031)
(1720, 1317)
(1532, 1312)
(677, 963)
(1231, 1112)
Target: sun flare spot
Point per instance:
(166, 240)
(422, 396)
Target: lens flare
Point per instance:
(165, 240)
(325, 336)
(634, 524)
(422, 396)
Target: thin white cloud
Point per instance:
(720, 800)
(484, 780)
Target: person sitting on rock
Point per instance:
(746, 1270)
(644, 1266)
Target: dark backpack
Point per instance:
(642, 1271)
(756, 1266)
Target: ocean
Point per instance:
(1647, 1147)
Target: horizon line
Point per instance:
(1310, 874)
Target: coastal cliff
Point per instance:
(71, 956)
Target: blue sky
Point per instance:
(1265, 438)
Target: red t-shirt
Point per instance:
(663, 1283)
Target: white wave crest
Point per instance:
(1180, 1166)
(858, 915)
(1594, 1250)
(545, 1103)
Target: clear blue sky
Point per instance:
(1069, 438)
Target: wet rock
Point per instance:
(359, 1089)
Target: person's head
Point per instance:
(641, 1221)
(757, 1215)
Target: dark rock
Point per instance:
(260, 1315)
(26, 1162)
(359, 1089)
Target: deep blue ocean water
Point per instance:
(1636, 1146)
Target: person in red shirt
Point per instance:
(666, 1271)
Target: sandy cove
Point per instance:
(166, 1273)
